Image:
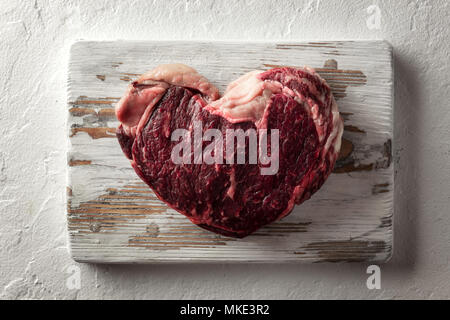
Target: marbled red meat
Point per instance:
(231, 199)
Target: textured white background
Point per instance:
(35, 37)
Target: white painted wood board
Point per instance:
(113, 217)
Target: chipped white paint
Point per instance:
(349, 219)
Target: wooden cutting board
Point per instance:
(113, 217)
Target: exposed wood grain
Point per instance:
(113, 217)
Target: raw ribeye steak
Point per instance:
(183, 140)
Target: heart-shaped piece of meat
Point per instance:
(235, 163)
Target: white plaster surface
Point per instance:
(35, 37)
